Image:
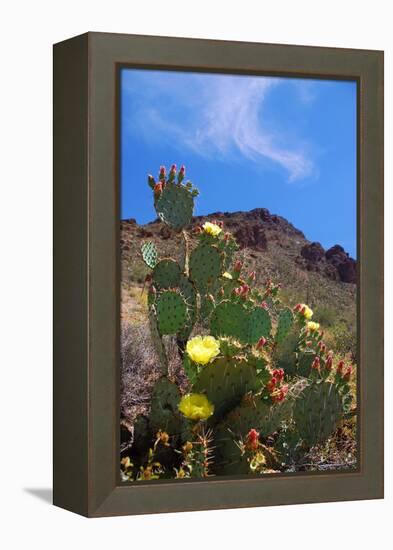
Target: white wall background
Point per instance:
(28, 30)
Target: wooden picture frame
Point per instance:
(86, 273)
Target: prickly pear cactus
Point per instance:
(149, 254)
(166, 273)
(260, 387)
(317, 412)
(175, 206)
(164, 414)
(285, 323)
(225, 381)
(206, 265)
(233, 319)
(171, 312)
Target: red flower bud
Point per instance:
(183, 169)
(264, 305)
(158, 189)
(271, 384)
(162, 170)
(281, 394)
(329, 363)
(298, 307)
(316, 363)
(309, 343)
(340, 367)
(238, 266)
(347, 374)
(261, 342)
(252, 276)
(173, 168)
(245, 289)
(279, 374)
(252, 440)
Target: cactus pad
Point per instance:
(166, 273)
(205, 265)
(157, 342)
(317, 412)
(258, 324)
(188, 291)
(304, 362)
(171, 312)
(164, 414)
(285, 323)
(175, 206)
(229, 319)
(149, 254)
(225, 381)
(257, 414)
(232, 319)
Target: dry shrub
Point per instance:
(140, 368)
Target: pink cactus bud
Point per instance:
(238, 266)
(281, 394)
(252, 276)
(162, 170)
(245, 289)
(329, 363)
(271, 385)
(183, 169)
(197, 230)
(261, 342)
(309, 343)
(158, 189)
(298, 307)
(348, 374)
(222, 293)
(278, 374)
(264, 305)
(340, 367)
(173, 168)
(316, 363)
(252, 440)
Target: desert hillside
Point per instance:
(274, 248)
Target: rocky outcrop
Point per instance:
(344, 264)
(314, 252)
(251, 236)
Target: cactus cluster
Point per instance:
(261, 382)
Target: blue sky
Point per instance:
(285, 144)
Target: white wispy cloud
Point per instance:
(215, 116)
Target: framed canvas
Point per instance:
(218, 340)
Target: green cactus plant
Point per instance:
(149, 254)
(263, 369)
(317, 412)
(166, 273)
(225, 381)
(206, 265)
(233, 319)
(171, 312)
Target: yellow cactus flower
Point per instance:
(313, 327)
(211, 229)
(227, 275)
(202, 349)
(196, 406)
(306, 311)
